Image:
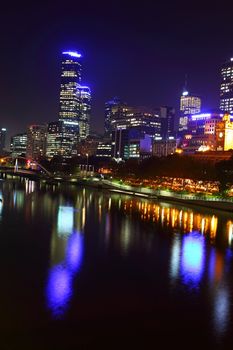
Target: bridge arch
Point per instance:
(31, 160)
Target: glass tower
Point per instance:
(75, 104)
(226, 87)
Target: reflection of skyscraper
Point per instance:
(74, 103)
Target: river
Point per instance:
(87, 269)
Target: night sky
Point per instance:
(140, 53)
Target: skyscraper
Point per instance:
(189, 105)
(75, 104)
(19, 145)
(226, 87)
(167, 118)
(2, 140)
(114, 109)
(84, 100)
(36, 141)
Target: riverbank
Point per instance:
(218, 204)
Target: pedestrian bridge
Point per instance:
(23, 167)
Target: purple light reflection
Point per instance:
(59, 289)
(192, 259)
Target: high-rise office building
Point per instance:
(114, 109)
(19, 145)
(167, 119)
(75, 103)
(36, 141)
(189, 105)
(226, 87)
(2, 140)
(84, 100)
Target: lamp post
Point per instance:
(87, 163)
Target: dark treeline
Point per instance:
(178, 166)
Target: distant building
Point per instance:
(36, 141)
(138, 117)
(167, 119)
(133, 142)
(226, 87)
(164, 147)
(88, 146)
(114, 109)
(189, 105)
(84, 115)
(19, 145)
(224, 134)
(2, 140)
(200, 142)
(203, 123)
(54, 139)
(104, 149)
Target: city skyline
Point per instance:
(111, 65)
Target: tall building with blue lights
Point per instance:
(226, 87)
(75, 104)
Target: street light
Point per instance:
(87, 163)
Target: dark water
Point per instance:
(85, 269)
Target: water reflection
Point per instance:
(191, 248)
(66, 258)
(192, 259)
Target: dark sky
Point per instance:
(140, 53)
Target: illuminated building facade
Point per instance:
(2, 140)
(189, 105)
(36, 141)
(54, 139)
(132, 143)
(114, 109)
(19, 145)
(137, 117)
(203, 123)
(167, 120)
(104, 149)
(226, 87)
(164, 147)
(75, 104)
(84, 111)
(224, 134)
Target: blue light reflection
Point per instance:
(192, 259)
(59, 288)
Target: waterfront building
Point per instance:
(19, 145)
(36, 141)
(2, 140)
(226, 87)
